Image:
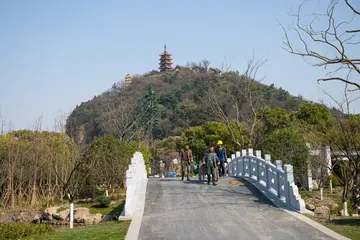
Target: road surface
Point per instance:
(187, 210)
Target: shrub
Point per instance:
(20, 230)
(103, 201)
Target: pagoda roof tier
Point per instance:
(165, 58)
(165, 53)
(169, 67)
(165, 64)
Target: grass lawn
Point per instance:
(346, 226)
(107, 230)
(350, 231)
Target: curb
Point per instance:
(296, 214)
(136, 219)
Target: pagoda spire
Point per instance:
(165, 63)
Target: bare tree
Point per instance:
(331, 46)
(344, 141)
(243, 101)
(127, 120)
(226, 64)
(2, 123)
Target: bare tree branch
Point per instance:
(334, 37)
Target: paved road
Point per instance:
(184, 211)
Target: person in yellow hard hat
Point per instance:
(222, 155)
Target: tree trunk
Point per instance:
(33, 194)
(20, 183)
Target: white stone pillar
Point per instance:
(243, 152)
(328, 159)
(267, 158)
(71, 215)
(258, 153)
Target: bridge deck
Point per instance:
(181, 210)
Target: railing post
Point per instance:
(258, 157)
(238, 155)
(267, 161)
(231, 165)
(243, 154)
(278, 164)
(258, 153)
(250, 154)
(267, 158)
(289, 178)
(129, 192)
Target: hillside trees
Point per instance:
(130, 121)
(243, 100)
(181, 102)
(329, 40)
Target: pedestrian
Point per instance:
(186, 159)
(202, 167)
(211, 160)
(221, 155)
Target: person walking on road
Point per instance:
(186, 159)
(221, 155)
(210, 161)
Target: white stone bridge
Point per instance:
(264, 204)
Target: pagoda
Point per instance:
(165, 61)
(127, 80)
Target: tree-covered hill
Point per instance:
(162, 105)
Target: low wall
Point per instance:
(136, 181)
(275, 180)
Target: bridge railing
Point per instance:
(275, 179)
(135, 184)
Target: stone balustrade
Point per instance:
(274, 179)
(136, 180)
